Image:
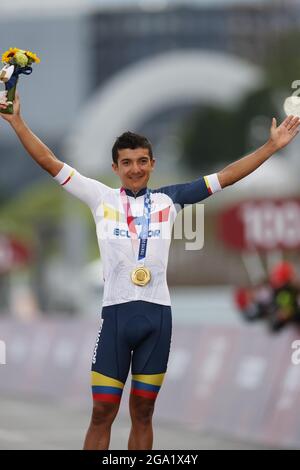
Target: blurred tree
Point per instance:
(207, 137)
(40, 209)
(21, 215)
(283, 64)
(214, 136)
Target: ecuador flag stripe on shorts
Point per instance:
(143, 386)
(146, 386)
(106, 388)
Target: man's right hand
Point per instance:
(16, 107)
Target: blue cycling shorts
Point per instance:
(136, 334)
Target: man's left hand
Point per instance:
(282, 135)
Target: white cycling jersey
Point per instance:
(118, 254)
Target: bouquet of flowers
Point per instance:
(17, 62)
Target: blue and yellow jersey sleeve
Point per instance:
(192, 192)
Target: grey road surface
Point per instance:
(38, 424)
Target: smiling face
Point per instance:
(134, 168)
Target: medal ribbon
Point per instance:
(131, 223)
(14, 78)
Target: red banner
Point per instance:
(12, 253)
(261, 225)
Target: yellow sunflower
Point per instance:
(8, 55)
(33, 57)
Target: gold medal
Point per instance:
(140, 276)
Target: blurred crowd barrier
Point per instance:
(239, 381)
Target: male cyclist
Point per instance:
(133, 226)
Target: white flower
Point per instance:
(3, 97)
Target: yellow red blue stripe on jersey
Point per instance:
(69, 177)
(208, 185)
(161, 216)
(111, 213)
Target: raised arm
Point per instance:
(279, 138)
(33, 145)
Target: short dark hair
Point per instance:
(130, 140)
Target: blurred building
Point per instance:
(241, 28)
